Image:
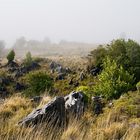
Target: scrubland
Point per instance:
(117, 81)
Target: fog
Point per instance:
(90, 21)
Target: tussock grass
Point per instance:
(118, 122)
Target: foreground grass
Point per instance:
(119, 122)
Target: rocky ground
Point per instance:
(63, 112)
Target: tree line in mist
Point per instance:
(46, 47)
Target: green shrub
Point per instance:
(28, 60)
(38, 82)
(126, 53)
(113, 81)
(97, 56)
(11, 56)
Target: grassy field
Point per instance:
(122, 121)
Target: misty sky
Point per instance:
(93, 21)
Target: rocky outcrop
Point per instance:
(54, 112)
(25, 69)
(74, 103)
(95, 71)
(19, 87)
(97, 104)
(60, 70)
(57, 111)
(60, 76)
(12, 64)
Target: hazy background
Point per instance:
(91, 21)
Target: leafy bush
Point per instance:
(11, 56)
(38, 82)
(97, 56)
(113, 81)
(28, 60)
(125, 53)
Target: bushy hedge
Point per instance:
(11, 56)
(126, 53)
(113, 81)
(38, 82)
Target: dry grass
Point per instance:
(113, 124)
(76, 62)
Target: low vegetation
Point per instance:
(38, 82)
(119, 122)
(117, 83)
(125, 53)
(11, 56)
(113, 81)
(28, 60)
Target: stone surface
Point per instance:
(95, 71)
(57, 111)
(74, 103)
(60, 76)
(19, 86)
(53, 112)
(82, 76)
(25, 69)
(56, 67)
(97, 105)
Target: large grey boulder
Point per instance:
(57, 111)
(53, 112)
